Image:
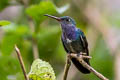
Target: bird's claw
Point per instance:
(81, 53)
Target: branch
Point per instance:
(80, 59)
(66, 69)
(21, 62)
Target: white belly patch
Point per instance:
(69, 41)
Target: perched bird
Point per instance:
(73, 39)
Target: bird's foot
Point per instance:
(83, 55)
(80, 55)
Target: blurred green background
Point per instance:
(39, 37)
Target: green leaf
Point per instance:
(17, 29)
(37, 11)
(41, 70)
(13, 35)
(8, 43)
(4, 23)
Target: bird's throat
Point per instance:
(69, 32)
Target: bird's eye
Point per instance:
(68, 20)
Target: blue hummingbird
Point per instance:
(73, 39)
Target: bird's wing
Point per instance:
(83, 41)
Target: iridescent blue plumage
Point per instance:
(74, 40)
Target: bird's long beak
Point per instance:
(54, 17)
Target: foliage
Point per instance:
(47, 37)
(37, 11)
(3, 4)
(41, 70)
(12, 32)
(4, 23)
(21, 35)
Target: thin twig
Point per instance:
(80, 59)
(21, 62)
(66, 69)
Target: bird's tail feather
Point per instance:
(80, 67)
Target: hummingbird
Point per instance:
(73, 40)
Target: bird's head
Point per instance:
(66, 20)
